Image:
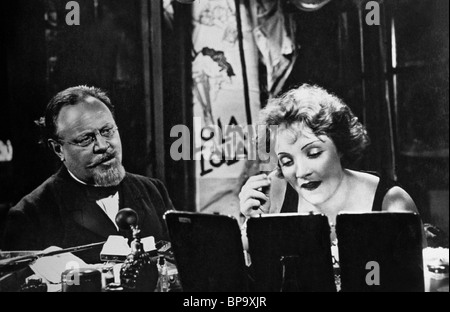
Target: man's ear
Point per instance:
(56, 148)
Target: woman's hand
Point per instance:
(253, 198)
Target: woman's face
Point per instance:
(310, 163)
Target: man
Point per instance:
(78, 204)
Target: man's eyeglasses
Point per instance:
(89, 138)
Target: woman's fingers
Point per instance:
(251, 198)
(252, 194)
(257, 181)
(251, 208)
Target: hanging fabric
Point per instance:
(274, 33)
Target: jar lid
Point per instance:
(85, 274)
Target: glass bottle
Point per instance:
(163, 281)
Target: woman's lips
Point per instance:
(310, 186)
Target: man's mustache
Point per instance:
(102, 159)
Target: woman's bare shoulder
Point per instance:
(397, 199)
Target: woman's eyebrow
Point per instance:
(307, 144)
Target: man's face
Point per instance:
(100, 162)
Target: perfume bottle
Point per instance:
(163, 280)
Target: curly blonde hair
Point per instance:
(324, 113)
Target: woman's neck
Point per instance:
(338, 200)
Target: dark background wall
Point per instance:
(46, 56)
(23, 97)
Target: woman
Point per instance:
(317, 138)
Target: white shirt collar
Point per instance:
(110, 204)
(75, 178)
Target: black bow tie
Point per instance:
(96, 193)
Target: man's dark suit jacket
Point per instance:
(62, 212)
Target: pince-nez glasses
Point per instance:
(88, 138)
